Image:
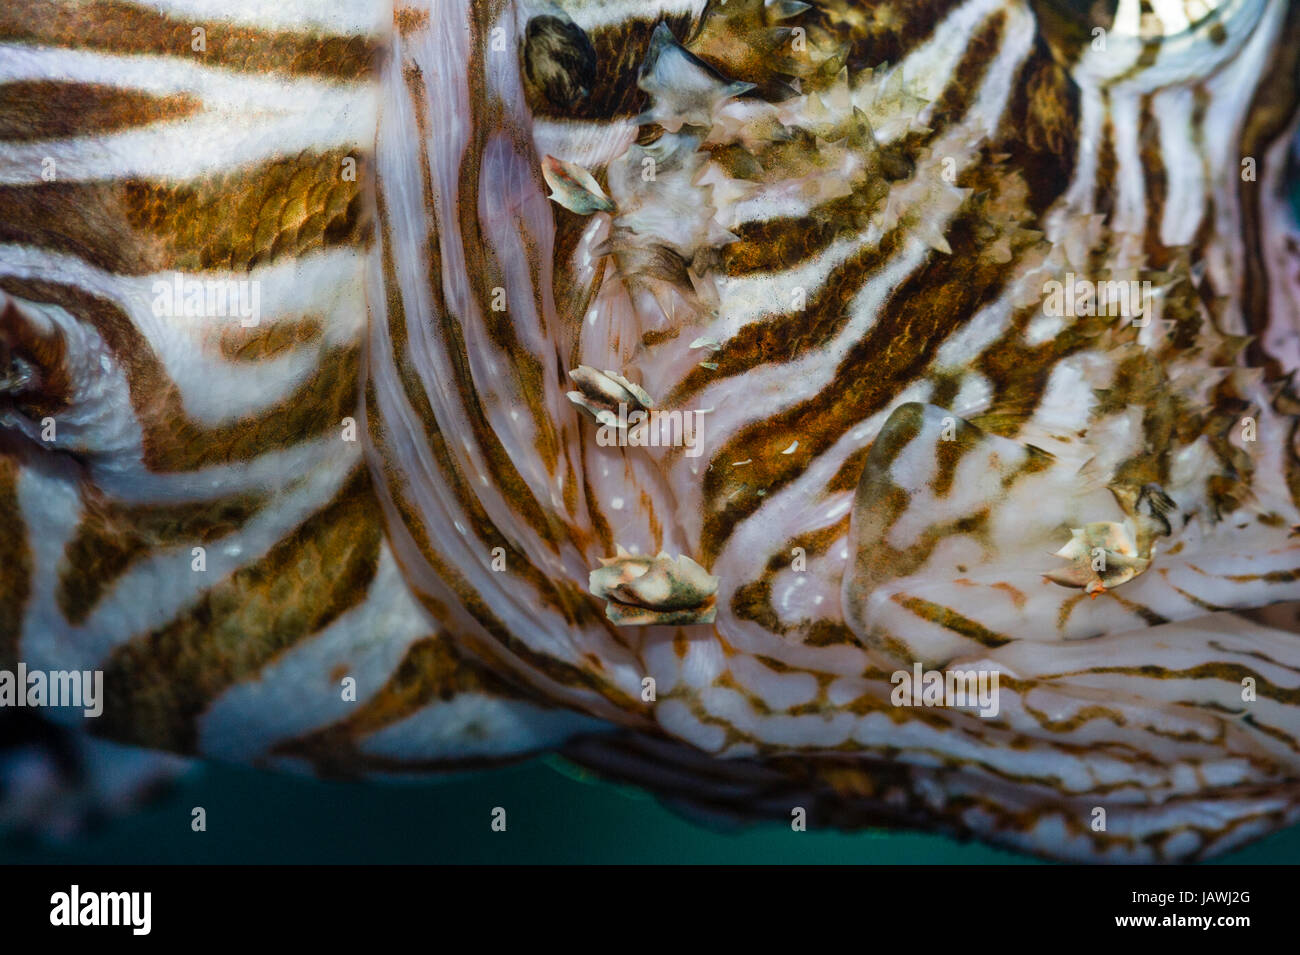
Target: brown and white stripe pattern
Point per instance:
(441, 300)
(130, 157)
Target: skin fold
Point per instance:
(672, 385)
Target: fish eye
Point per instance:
(559, 60)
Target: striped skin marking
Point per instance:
(110, 26)
(959, 800)
(289, 207)
(112, 536)
(15, 583)
(931, 503)
(70, 108)
(170, 440)
(1011, 388)
(455, 713)
(998, 159)
(159, 683)
(191, 433)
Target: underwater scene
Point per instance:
(649, 431)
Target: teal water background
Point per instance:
(552, 817)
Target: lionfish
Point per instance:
(668, 383)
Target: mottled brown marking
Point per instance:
(232, 221)
(272, 340)
(112, 537)
(410, 19)
(158, 685)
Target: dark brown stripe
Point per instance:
(1104, 188)
(1039, 129)
(873, 40)
(964, 86)
(950, 619)
(777, 339)
(49, 109)
(1156, 181)
(772, 245)
(1068, 24)
(110, 26)
(1019, 373)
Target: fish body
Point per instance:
(673, 385)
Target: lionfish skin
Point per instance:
(425, 497)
